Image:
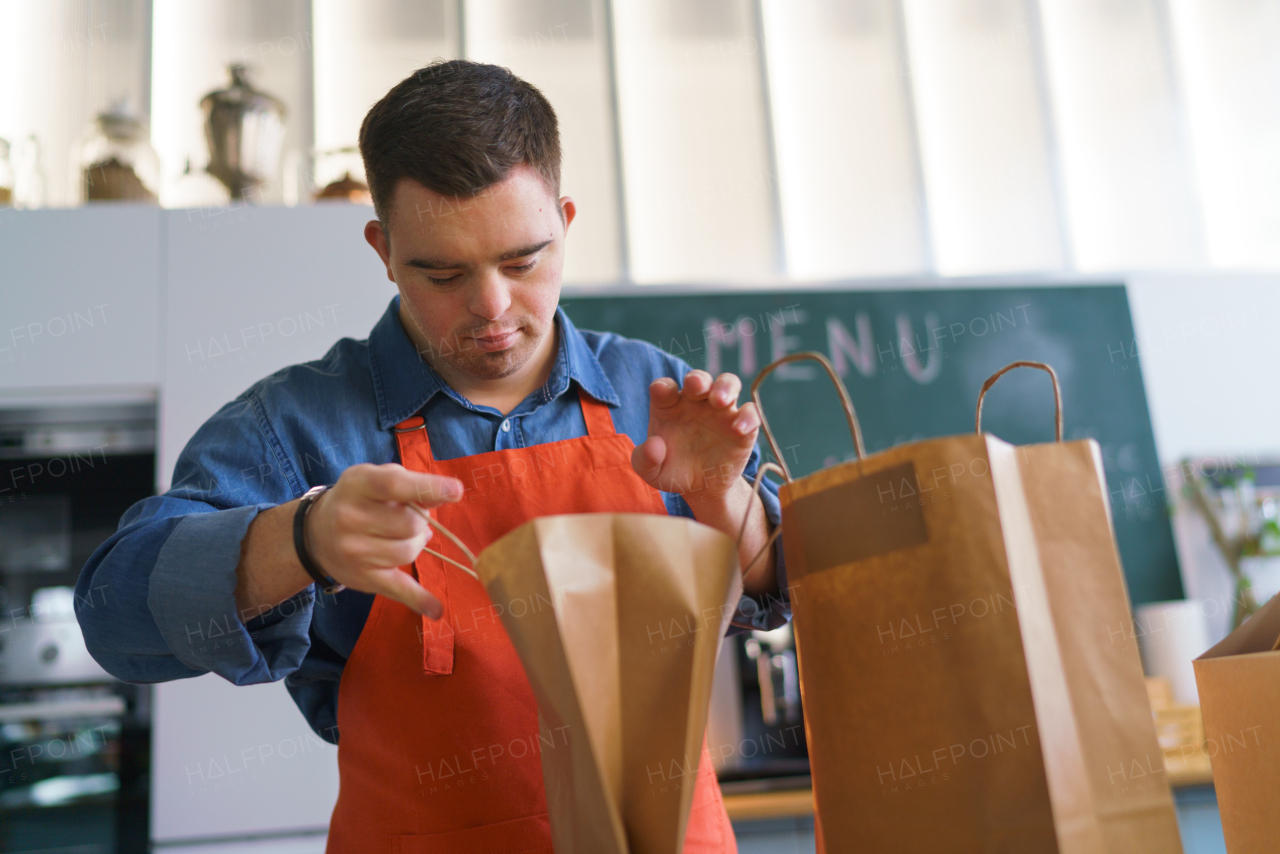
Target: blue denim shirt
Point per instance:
(163, 586)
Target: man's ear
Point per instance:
(567, 211)
(377, 238)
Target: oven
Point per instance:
(74, 741)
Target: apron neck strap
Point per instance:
(412, 443)
(415, 447)
(597, 416)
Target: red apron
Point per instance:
(438, 729)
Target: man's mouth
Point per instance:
(496, 341)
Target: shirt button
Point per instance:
(506, 426)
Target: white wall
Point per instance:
(1209, 360)
(79, 300)
(251, 290)
(232, 762)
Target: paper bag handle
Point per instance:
(855, 429)
(991, 380)
(742, 529)
(457, 542)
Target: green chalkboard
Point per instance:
(913, 361)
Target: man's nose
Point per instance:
(491, 297)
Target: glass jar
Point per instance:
(245, 130)
(6, 175)
(29, 183)
(116, 161)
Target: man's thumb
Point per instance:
(647, 459)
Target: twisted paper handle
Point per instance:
(991, 380)
(855, 429)
(457, 542)
(742, 529)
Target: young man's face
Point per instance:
(479, 276)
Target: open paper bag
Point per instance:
(953, 603)
(1239, 684)
(617, 618)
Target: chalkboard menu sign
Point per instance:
(913, 360)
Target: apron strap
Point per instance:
(412, 441)
(597, 416)
(413, 444)
(437, 636)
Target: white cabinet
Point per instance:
(79, 299)
(248, 291)
(252, 290)
(232, 762)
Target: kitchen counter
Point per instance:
(756, 806)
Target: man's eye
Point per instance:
(443, 281)
(523, 268)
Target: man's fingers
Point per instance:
(725, 390)
(663, 392)
(386, 521)
(697, 384)
(748, 420)
(398, 585)
(394, 482)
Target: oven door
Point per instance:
(73, 769)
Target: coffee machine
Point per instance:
(756, 726)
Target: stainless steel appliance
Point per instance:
(74, 742)
(756, 726)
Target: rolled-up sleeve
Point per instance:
(157, 600)
(192, 598)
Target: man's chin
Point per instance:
(493, 366)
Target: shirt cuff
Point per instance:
(192, 597)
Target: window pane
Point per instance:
(694, 150)
(987, 176)
(1229, 58)
(62, 62)
(363, 48)
(842, 125)
(561, 47)
(1128, 190)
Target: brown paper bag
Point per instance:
(1066, 491)
(617, 618)
(947, 662)
(1239, 684)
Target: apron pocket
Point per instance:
(528, 835)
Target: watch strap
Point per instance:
(327, 583)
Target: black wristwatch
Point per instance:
(327, 583)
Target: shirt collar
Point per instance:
(403, 383)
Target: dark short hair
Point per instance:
(457, 127)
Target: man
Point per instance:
(474, 396)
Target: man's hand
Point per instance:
(359, 532)
(698, 445)
(699, 439)
(363, 528)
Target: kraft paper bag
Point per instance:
(1239, 685)
(1067, 494)
(617, 618)
(950, 673)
